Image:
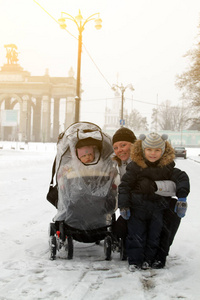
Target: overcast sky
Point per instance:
(141, 42)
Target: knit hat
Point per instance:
(85, 150)
(153, 140)
(124, 134)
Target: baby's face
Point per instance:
(87, 158)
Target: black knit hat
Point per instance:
(124, 134)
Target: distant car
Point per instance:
(180, 151)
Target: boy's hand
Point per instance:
(181, 207)
(145, 186)
(125, 213)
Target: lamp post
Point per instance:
(115, 87)
(80, 23)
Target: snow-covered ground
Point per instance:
(25, 269)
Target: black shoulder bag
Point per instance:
(52, 195)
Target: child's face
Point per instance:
(152, 155)
(87, 158)
(122, 150)
(86, 154)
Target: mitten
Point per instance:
(145, 186)
(125, 213)
(181, 207)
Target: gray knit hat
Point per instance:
(153, 140)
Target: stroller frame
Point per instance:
(62, 236)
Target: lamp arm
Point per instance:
(90, 18)
(70, 18)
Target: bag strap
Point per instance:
(53, 172)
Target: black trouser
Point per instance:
(171, 224)
(144, 228)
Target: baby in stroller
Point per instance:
(87, 195)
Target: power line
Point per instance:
(141, 101)
(99, 99)
(97, 67)
(54, 18)
(136, 100)
(150, 103)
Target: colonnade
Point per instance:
(37, 103)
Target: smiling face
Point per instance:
(152, 155)
(122, 150)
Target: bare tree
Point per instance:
(167, 117)
(189, 81)
(136, 121)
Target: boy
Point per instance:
(152, 157)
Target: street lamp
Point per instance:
(115, 87)
(80, 23)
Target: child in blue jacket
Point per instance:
(153, 158)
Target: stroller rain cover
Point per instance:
(86, 192)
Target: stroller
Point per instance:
(87, 194)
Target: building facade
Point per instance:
(30, 106)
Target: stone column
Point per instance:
(70, 112)
(7, 129)
(28, 121)
(45, 119)
(56, 118)
(37, 120)
(23, 124)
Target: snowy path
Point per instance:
(27, 273)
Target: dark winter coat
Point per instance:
(138, 168)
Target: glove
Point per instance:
(125, 213)
(181, 207)
(145, 186)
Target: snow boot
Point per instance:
(157, 264)
(146, 265)
(133, 268)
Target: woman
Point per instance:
(122, 140)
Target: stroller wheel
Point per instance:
(52, 248)
(122, 249)
(107, 247)
(70, 247)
